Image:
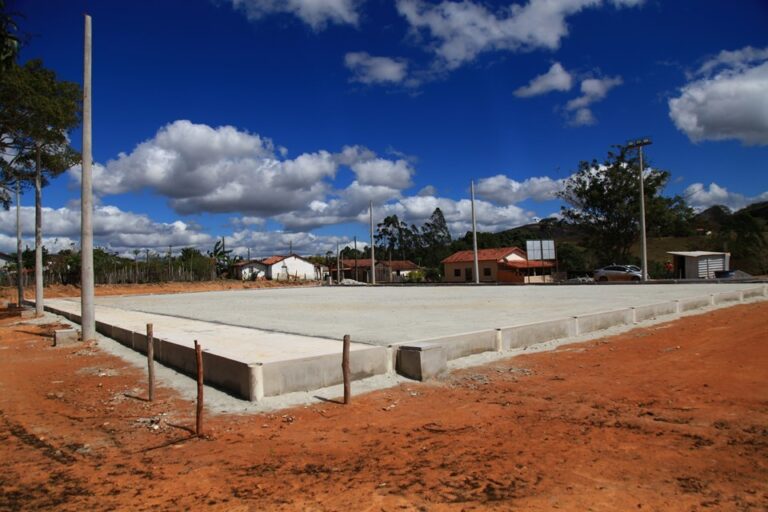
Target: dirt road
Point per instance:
(671, 417)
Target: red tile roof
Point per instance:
(366, 263)
(497, 254)
(247, 262)
(273, 259)
(350, 263)
(401, 265)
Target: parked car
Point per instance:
(618, 273)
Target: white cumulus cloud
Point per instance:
(556, 79)
(315, 13)
(223, 170)
(701, 197)
(113, 228)
(457, 32)
(726, 99)
(368, 69)
(592, 91)
(503, 190)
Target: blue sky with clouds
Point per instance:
(273, 122)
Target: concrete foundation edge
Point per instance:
(257, 380)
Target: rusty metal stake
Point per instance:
(151, 362)
(345, 369)
(199, 416)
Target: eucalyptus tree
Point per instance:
(36, 113)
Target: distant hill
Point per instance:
(757, 210)
(712, 218)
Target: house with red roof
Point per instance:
(499, 265)
(387, 271)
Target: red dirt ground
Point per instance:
(669, 417)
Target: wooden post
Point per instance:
(199, 416)
(151, 361)
(345, 369)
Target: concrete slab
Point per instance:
(388, 315)
(235, 358)
(267, 342)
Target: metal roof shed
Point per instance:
(699, 264)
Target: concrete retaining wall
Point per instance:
(723, 297)
(455, 347)
(310, 373)
(462, 345)
(652, 311)
(754, 292)
(526, 335)
(601, 321)
(694, 303)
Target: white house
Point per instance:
(249, 270)
(290, 267)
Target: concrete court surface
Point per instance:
(385, 315)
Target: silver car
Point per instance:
(618, 273)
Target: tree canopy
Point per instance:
(9, 39)
(603, 199)
(37, 111)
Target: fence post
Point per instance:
(199, 415)
(151, 361)
(345, 369)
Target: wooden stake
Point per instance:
(151, 361)
(345, 369)
(199, 416)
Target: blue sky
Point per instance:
(272, 122)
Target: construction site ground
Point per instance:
(672, 416)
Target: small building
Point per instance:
(500, 265)
(249, 270)
(290, 267)
(699, 264)
(399, 270)
(387, 271)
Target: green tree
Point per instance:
(670, 217)
(396, 236)
(36, 113)
(743, 236)
(435, 240)
(349, 253)
(220, 255)
(9, 39)
(603, 200)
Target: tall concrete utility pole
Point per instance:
(88, 319)
(373, 258)
(643, 242)
(475, 264)
(338, 264)
(639, 143)
(19, 259)
(39, 306)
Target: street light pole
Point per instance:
(475, 265)
(639, 143)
